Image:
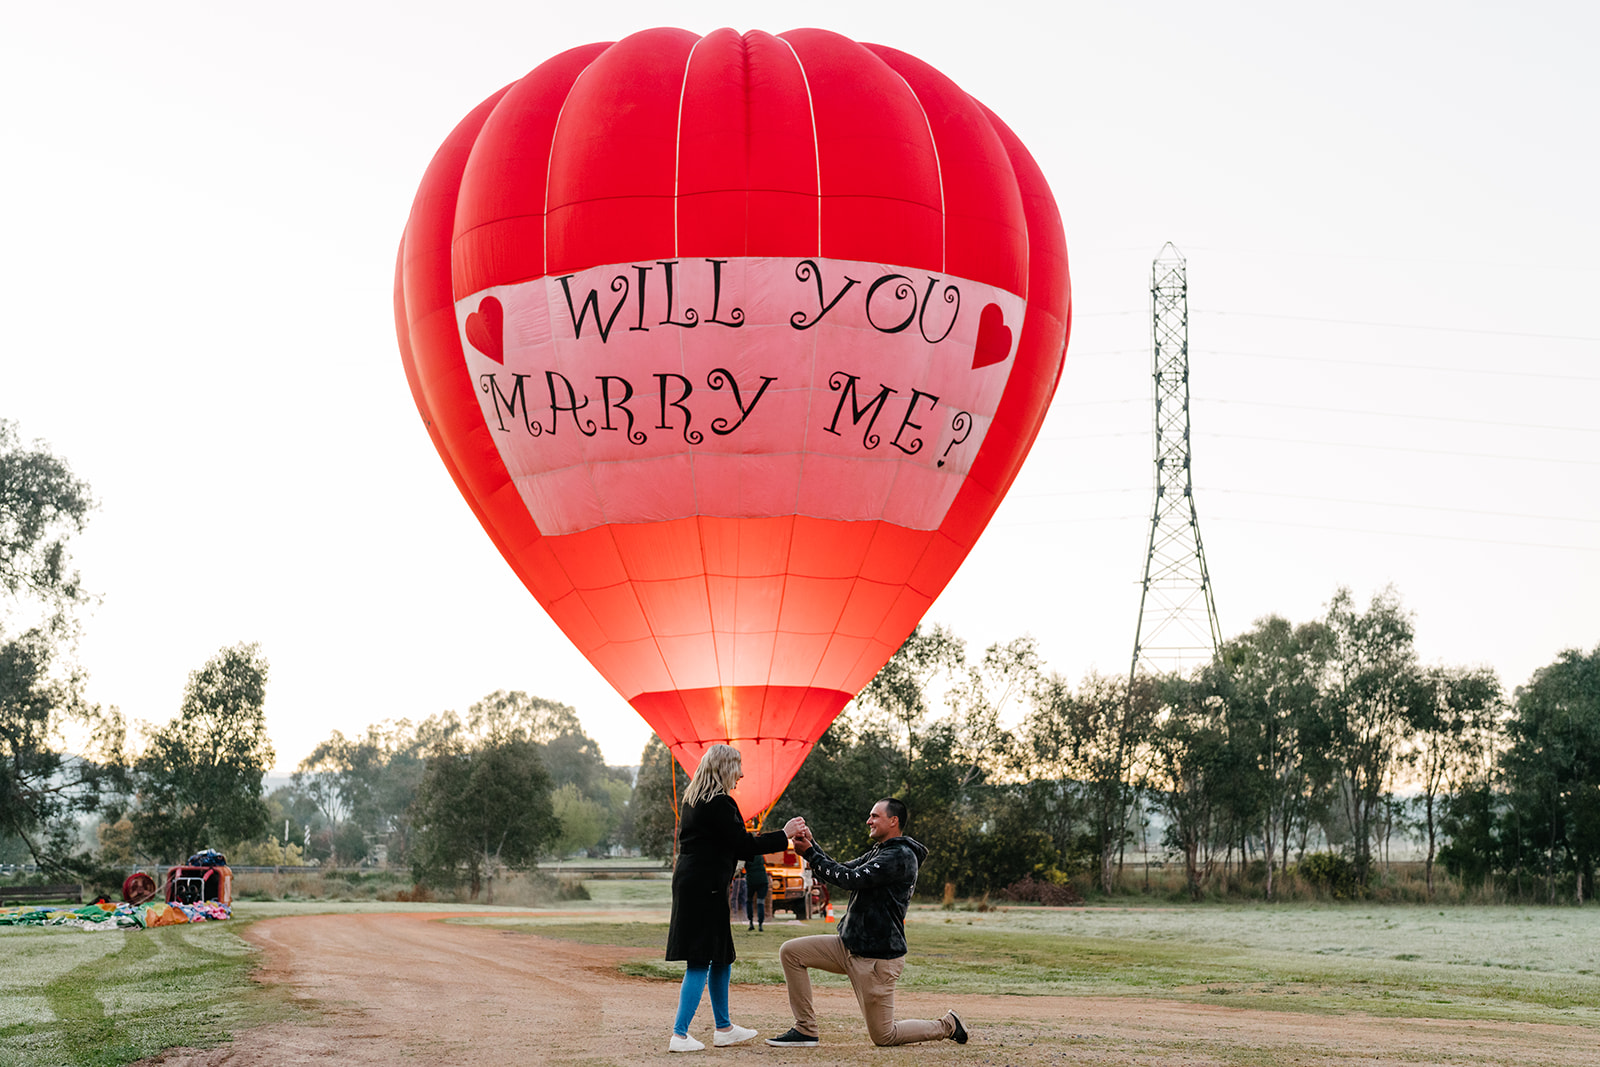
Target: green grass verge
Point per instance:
(1491, 963)
(105, 998)
(108, 998)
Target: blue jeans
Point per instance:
(695, 978)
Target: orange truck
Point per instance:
(793, 887)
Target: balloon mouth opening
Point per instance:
(773, 727)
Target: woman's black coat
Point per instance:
(711, 842)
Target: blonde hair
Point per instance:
(717, 774)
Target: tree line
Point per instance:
(1306, 748)
(455, 797)
(1302, 750)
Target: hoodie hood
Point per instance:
(918, 849)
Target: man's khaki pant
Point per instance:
(872, 979)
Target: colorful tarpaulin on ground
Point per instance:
(116, 916)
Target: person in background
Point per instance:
(712, 840)
(757, 885)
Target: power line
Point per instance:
(1386, 504)
(1075, 519)
(1383, 414)
(1402, 533)
(1073, 492)
(1097, 436)
(1098, 352)
(1431, 368)
(1399, 325)
(1316, 499)
(1330, 411)
(1333, 444)
(1448, 261)
(1403, 448)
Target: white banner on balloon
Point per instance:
(754, 387)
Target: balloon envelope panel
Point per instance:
(733, 343)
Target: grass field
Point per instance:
(106, 999)
(1506, 963)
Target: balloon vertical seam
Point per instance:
(677, 143)
(816, 159)
(705, 585)
(549, 171)
(816, 147)
(1011, 143)
(632, 583)
(938, 170)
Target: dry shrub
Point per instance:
(1050, 894)
(1333, 873)
(316, 885)
(517, 889)
(520, 889)
(417, 894)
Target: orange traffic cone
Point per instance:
(828, 914)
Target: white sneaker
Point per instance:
(736, 1035)
(684, 1044)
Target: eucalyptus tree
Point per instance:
(483, 805)
(1189, 771)
(1091, 744)
(855, 763)
(965, 790)
(198, 780)
(1055, 794)
(1552, 769)
(653, 807)
(1371, 687)
(1454, 728)
(1271, 674)
(367, 783)
(570, 756)
(42, 788)
(905, 689)
(976, 745)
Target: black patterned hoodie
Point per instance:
(881, 883)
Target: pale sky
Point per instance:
(1388, 211)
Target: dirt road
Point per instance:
(409, 988)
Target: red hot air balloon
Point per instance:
(733, 344)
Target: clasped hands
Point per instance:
(799, 833)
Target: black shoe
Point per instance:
(752, 926)
(960, 1036)
(792, 1038)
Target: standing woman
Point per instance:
(711, 841)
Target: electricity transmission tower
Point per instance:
(1177, 628)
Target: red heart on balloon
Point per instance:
(994, 338)
(485, 328)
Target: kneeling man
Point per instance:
(870, 947)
